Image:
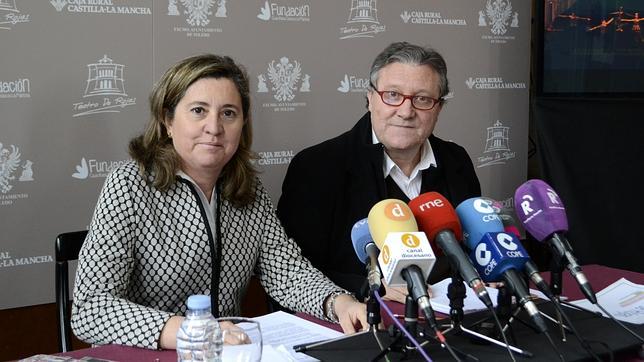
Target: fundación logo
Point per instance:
(498, 15)
(276, 12)
(98, 7)
(497, 150)
(274, 158)
(10, 15)
(352, 83)
(105, 89)
(198, 13)
(9, 167)
(421, 17)
(286, 80)
(19, 88)
(93, 168)
(363, 20)
(492, 83)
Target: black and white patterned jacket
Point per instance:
(147, 251)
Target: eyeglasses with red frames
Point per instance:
(393, 98)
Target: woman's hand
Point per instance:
(399, 294)
(395, 294)
(352, 314)
(168, 338)
(233, 334)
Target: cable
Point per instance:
(620, 323)
(443, 341)
(554, 346)
(582, 341)
(505, 340)
(401, 327)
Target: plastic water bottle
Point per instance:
(199, 337)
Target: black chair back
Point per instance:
(67, 247)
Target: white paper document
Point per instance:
(281, 331)
(623, 299)
(440, 301)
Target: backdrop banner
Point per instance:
(75, 76)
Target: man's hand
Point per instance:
(352, 314)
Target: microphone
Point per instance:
(499, 256)
(438, 219)
(512, 227)
(543, 215)
(406, 258)
(367, 252)
(496, 254)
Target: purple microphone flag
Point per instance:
(540, 209)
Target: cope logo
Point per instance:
(483, 206)
(386, 254)
(410, 240)
(505, 241)
(483, 256)
(395, 211)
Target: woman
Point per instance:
(189, 216)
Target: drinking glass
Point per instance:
(242, 340)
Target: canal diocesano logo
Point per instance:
(497, 15)
(285, 82)
(10, 15)
(9, 165)
(363, 20)
(497, 150)
(105, 89)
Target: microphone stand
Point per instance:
(411, 318)
(556, 285)
(456, 293)
(373, 311)
(411, 324)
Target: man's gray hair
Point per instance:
(406, 53)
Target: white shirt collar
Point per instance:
(427, 159)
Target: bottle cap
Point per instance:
(198, 301)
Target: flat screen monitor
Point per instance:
(590, 47)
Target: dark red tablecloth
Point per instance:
(599, 276)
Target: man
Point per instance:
(389, 153)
